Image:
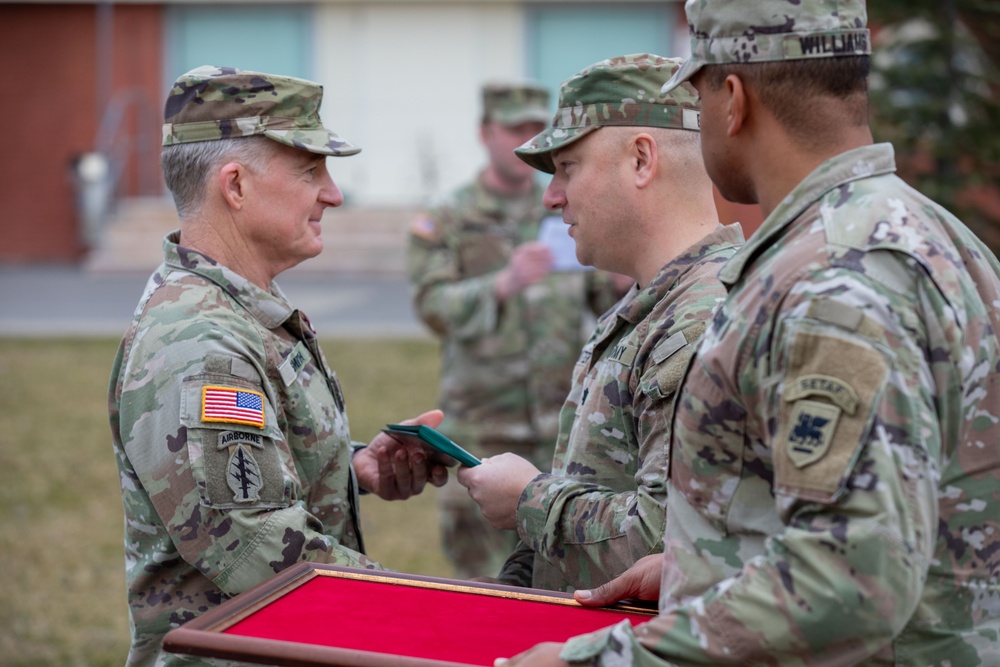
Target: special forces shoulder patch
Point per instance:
(241, 469)
(232, 405)
(827, 405)
(243, 474)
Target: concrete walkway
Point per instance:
(67, 301)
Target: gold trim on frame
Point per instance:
(458, 588)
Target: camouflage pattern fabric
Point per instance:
(834, 487)
(515, 103)
(506, 368)
(211, 103)
(603, 506)
(770, 30)
(624, 90)
(232, 445)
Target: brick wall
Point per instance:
(50, 115)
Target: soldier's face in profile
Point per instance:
(722, 162)
(501, 140)
(588, 186)
(286, 204)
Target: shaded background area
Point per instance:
(936, 97)
(61, 509)
(58, 99)
(402, 78)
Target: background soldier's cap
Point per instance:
(723, 31)
(516, 103)
(618, 91)
(211, 103)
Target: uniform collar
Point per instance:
(849, 166)
(271, 308)
(639, 302)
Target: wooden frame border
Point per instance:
(205, 636)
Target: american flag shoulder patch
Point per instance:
(232, 405)
(424, 227)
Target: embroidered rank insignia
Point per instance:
(813, 426)
(232, 406)
(243, 474)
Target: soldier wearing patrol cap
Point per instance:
(229, 427)
(631, 185)
(835, 464)
(510, 327)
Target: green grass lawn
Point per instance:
(62, 575)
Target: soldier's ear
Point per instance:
(645, 159)
(736, 104)
(232, 183)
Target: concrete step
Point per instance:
(356, 240)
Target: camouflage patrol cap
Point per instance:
(515, 103)
(211, 103)
(770, 30)
(619, 91)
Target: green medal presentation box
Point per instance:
(434, 439)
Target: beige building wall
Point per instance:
(402, 81)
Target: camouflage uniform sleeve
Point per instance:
(516, 571)
(236, 545)
(845, 569)
(451, 305)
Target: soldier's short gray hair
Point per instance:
(187, 167)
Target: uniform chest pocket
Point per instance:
(670, 360)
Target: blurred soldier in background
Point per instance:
(510, 327)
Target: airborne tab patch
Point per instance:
(232, 405)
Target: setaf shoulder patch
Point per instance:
(827, 405)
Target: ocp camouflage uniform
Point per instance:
(834, 481)
(216, 502)
(602, 507)
(834, 490)
(506, 367)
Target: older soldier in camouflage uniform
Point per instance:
(510, 327)
(834, 488)
(630, 181)
(229, 427)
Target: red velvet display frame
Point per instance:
(311, 615)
